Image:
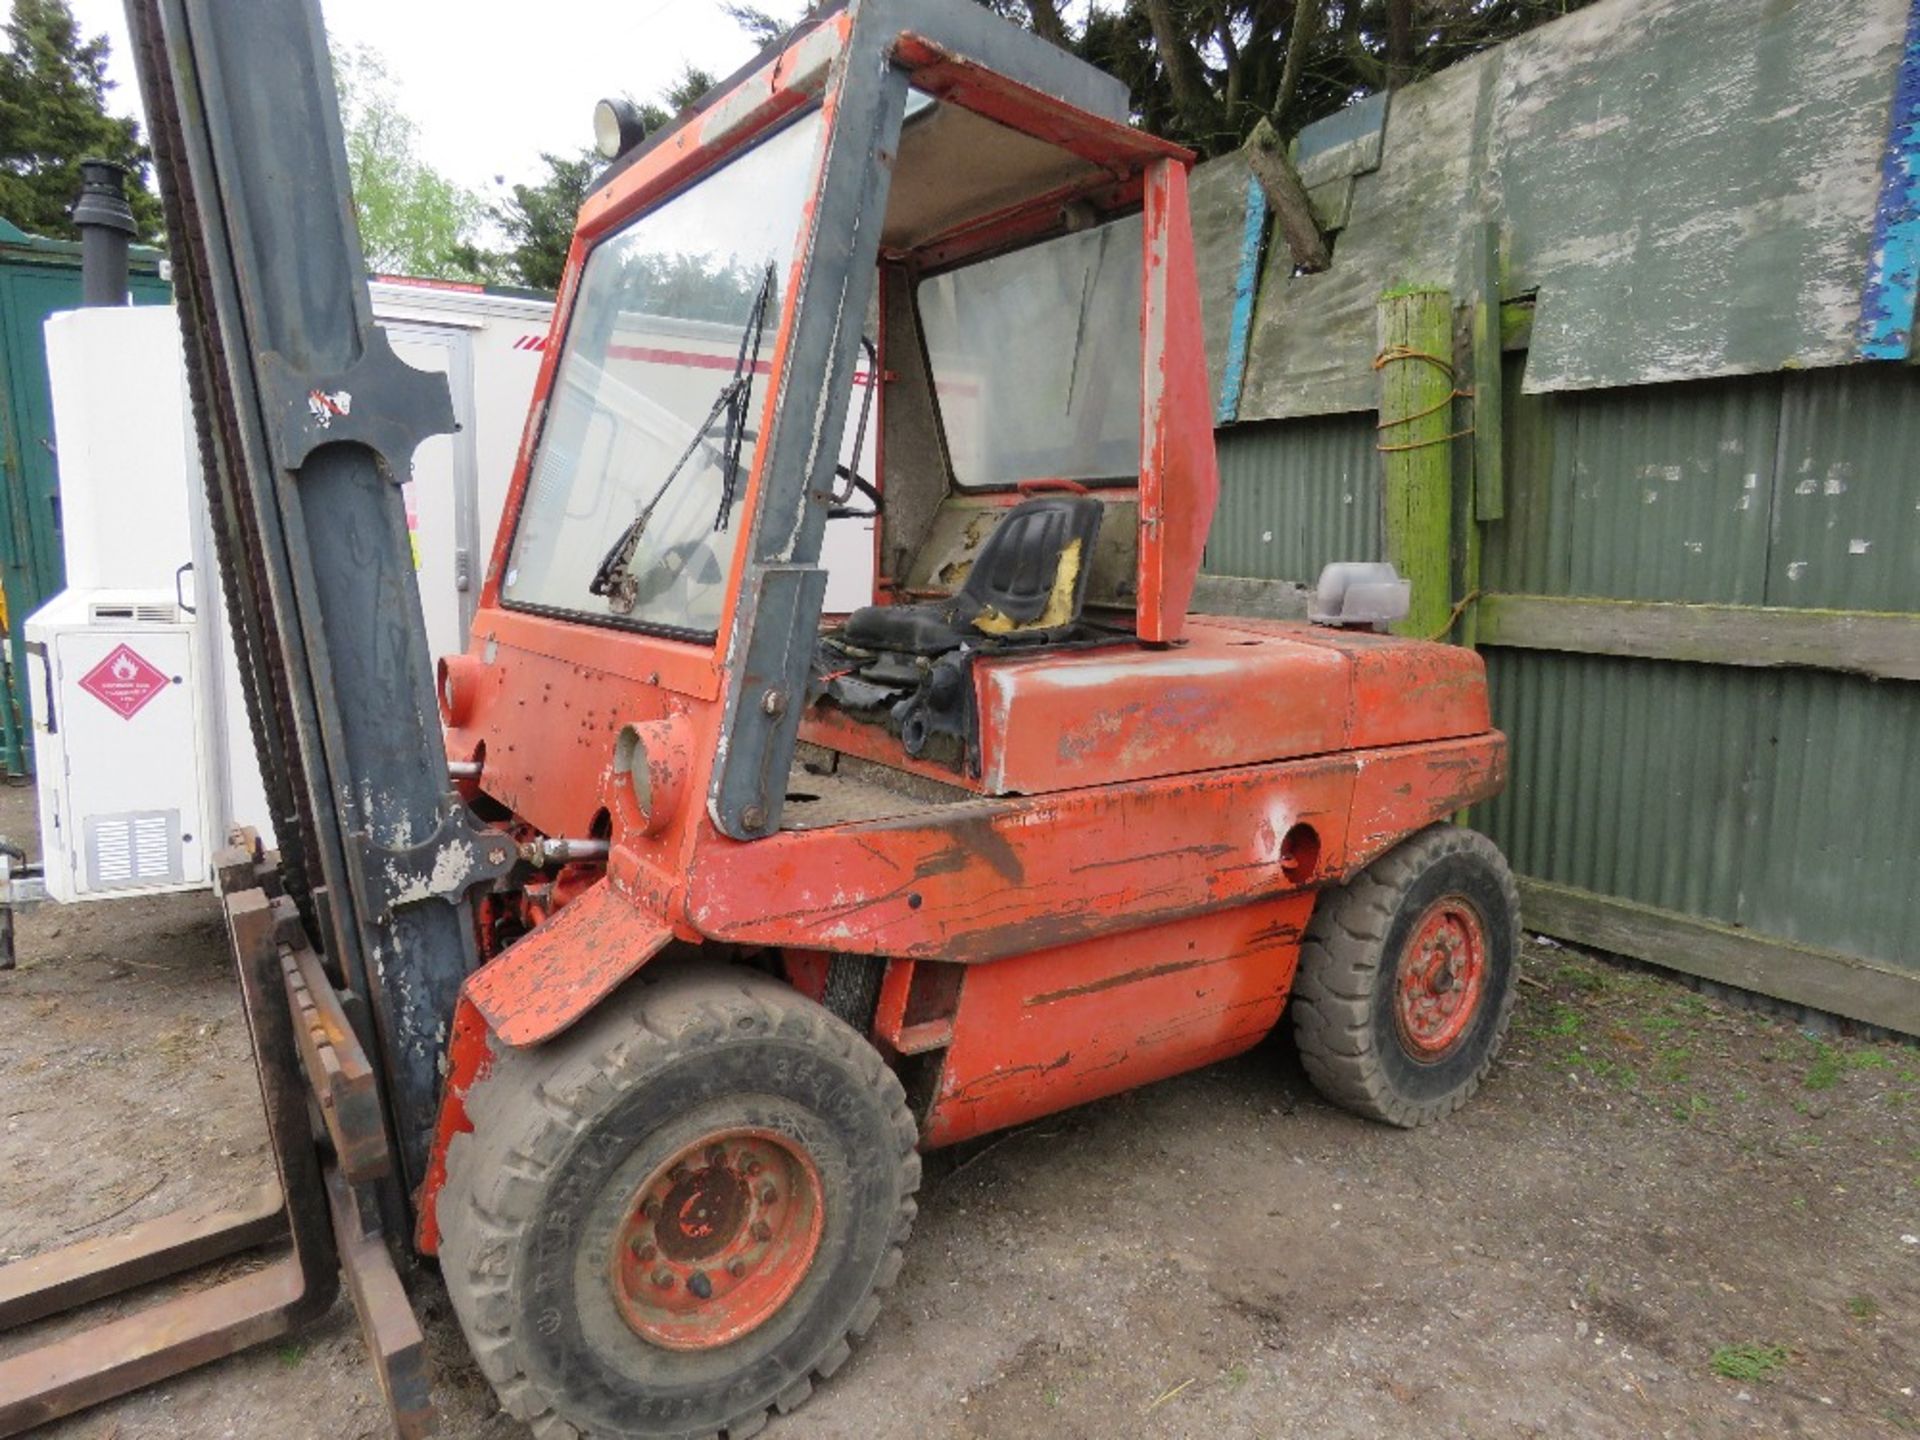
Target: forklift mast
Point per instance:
(307, 424)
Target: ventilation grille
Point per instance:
(137, 848)
(112, 614)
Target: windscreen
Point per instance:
(652, 424)
(1036, 359)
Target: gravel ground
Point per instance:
(1664, 1216)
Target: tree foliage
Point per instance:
(1206, 72)
(537, 219)
(53, 115)
(413, 219)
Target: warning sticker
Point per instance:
(124, 682)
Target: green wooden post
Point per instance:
(1416, 425)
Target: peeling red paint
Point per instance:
(546, 981)
(469, 1061)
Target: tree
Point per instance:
(413, 219)
(1207, 72)
(538, 219)
(761, 27)
(53, 115)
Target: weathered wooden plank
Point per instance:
(1250, 598)
(1647, 159)
(1881, 646)
(1489, 411)
(1824, 979)
(1346, 142)
(1416, 433)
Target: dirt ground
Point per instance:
(1664, 1216)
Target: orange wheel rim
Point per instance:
(1441, 978)
(717, 1239)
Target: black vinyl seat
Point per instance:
(1017, 583)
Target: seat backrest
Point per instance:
(1032, 570)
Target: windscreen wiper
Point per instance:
(614, 579)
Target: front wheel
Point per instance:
(679, 1214)
(1407, 978)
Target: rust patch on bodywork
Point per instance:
(1094, 987)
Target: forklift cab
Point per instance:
(950, 293)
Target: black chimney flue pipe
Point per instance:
(106, 227)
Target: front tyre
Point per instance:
(680, 1213)
(1407, 978)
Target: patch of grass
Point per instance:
(1565, 1021)
(1578, 977)
(1236, 1376)
(1672, 1063)
(1748, 1361)
(1692, 1108)
(1828, 1063)
(1863, 1307)
(292, 1353)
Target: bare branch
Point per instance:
(1186, 74)
(1273, 169)
(1399, 43)
(1306, 29)
(1047, 23)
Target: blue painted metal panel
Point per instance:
(1246, 281)
(1893, 263)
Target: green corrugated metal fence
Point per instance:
(1716, 813)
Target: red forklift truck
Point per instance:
(635, 957)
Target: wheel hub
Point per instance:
(717, 1239)
(1441, 978)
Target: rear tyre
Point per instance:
(679, 1214)
(1407, 978)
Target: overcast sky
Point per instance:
(493, 83)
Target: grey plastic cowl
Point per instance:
(1355, 592)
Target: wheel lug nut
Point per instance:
(663, 1278)
(641, 1248)
(678, 1173)
(768, 1194)
(736, 1268)
(762, 1231)
(753, 1167)
(701, 1287)
(650, 1209)
(716, 1155)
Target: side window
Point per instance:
(1036, 359)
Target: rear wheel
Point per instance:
(679, 1214)
(1407, 978)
